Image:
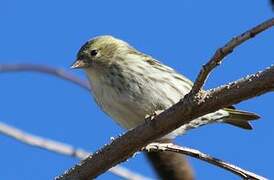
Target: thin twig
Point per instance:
(225, 50)
(60, 73)
(205, 157)
(61, 148)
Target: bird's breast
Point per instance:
(122, 102)
(128, 95)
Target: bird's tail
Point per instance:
(240, 118)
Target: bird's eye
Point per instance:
(93, 52)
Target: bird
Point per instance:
(129, 85)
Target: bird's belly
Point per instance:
(124, 116)
(125, 109)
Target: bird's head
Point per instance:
(99, 51)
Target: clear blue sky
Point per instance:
(182, 34)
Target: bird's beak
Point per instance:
(78, 64)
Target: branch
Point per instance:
(45, 69)
(225, 50)
(61, 148)
(191, 107)
(204, 157)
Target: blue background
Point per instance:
(182, 34)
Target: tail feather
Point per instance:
(240, 118)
